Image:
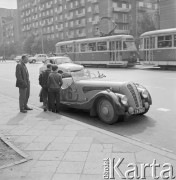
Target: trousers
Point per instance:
(46, 102)
(24, 94)
(54, 100)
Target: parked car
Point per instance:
(17, 59)
(37, 58)
(111, 101)
(59, 60)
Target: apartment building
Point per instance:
(10, 29)
(74, 19)
(70, 19)
(140, 8)
(167, 14)
(4, 13)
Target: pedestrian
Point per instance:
(43, 79)
(54, 84)
(23, 83)
(4, 59)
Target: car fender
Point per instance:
(112, 97)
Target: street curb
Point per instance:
(136, 142)
(21, 153)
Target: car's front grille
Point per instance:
(131, 89)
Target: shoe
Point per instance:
(27, 108)
(23, 111)
(45, 109)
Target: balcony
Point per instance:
(94, 1)
(34, 3)
(80, 15)
(70, 17)
(117, 9)
(81, 25)
(70, 36)
(95, 22)
(96, 11)
(41, 8)
(81, 35)
(60, 29)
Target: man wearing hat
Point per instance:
(23, 83)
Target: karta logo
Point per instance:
(112, 169)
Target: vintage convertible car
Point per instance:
(108, 100)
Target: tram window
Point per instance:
(164, 41)
(77, 48)
(69, 48)
(124, 46)
(84, 47)
(118, 45)
(112, 45)
(102, 46)
(92, 46)
(63, 49)
(174, 40)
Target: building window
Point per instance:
(71, 5)
(89, 9)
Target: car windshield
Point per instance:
(81, 75)
(63, 60)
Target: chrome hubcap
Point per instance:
(105, 110)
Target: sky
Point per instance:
(9, 4)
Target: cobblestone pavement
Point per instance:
(64, 149)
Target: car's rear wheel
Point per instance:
(33, 61)
(106, 111)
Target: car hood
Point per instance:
(71, 67)
(92, 84)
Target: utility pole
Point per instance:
(158, 13)
(42, 40)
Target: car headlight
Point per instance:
(144, 93)
(124, 100)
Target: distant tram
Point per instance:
(159, 47)
(116, 50)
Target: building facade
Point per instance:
(5, 14)
(10, 29)
(167, 14)
(141, 9)
(74, 19)
(71, 19)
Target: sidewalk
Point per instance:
(64, 149)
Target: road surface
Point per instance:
(157, 127)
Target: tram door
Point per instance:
(77, 52)
(112, 49)
(149, 44)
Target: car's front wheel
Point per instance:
(106, 111)
(33, 61)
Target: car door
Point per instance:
(69, 91)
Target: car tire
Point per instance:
(106, 111)
(33, 61)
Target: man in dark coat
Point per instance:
(43, 79)
(23, 84)
(54, 85)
